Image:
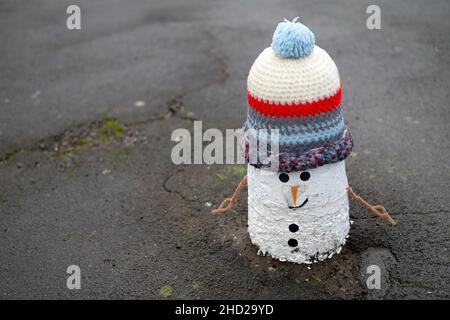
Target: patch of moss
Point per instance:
(82, 141)
(239, 170)
(2, 200)
(9, 159)
(109, 135)
(96, 134)
(126, 151)
(110, 129)
(165, 291)
(228, 171)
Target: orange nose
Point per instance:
(294, 190)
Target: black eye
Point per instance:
(283, 177)
(304, 176)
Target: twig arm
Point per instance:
(376, 209)
(228, 203)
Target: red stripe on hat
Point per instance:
(296, 109)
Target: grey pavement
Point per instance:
(86, 176)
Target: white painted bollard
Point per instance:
(299, 220)
(298, 206)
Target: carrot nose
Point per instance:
(294, 190)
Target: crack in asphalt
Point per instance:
(174, 109)
(220, 61)
(169, 190)
(174, 106)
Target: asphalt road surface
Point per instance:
(86, 176)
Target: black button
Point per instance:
(292, 242)
(293, 227)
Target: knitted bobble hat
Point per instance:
(294, 86)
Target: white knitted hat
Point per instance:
(294, 87)
(284, 80)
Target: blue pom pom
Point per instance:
(292, 39)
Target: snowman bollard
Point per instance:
(300, 213)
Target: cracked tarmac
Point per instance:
(86, 176)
